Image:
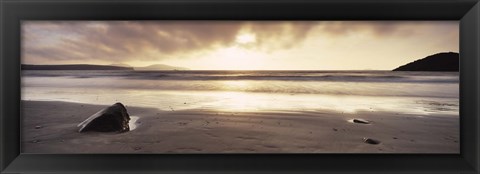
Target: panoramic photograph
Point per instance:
(219, 87)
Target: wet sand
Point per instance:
(51, 127)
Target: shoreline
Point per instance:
(50, 127)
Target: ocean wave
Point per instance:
(390, 77)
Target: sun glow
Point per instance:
(237, 58)
(246, 38)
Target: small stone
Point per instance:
(38, 127)
(137, 148)
(35, 141)
(371, 141)
(395, 138)
(335, 129)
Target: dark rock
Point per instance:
(112, 119)
(371, 141)
(438, 62)
(38, 127)
(361, 121)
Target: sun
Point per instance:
(246, 38)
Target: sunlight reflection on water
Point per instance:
(406, 93)
(246, 101)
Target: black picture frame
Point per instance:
(14, 11)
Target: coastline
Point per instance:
(51, 127)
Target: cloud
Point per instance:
(386, 28)
(122, 40)
(45, 42)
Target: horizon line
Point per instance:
(214, 69)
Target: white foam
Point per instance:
(133, 123)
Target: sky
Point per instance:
(238, 45)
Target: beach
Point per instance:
(51, 127)
(243, 111)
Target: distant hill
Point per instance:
(120, 65)
(448, 61)
(160, 67)
(74, 67)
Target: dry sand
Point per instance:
(51, 127)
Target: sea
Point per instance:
(421, 93)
